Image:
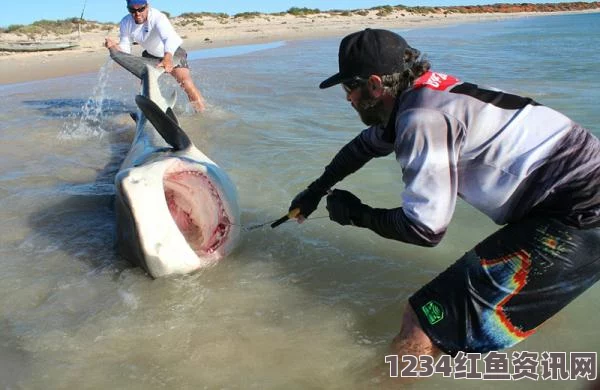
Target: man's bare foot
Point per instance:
(198, 105)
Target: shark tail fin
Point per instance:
(134, 64)
(164, 123)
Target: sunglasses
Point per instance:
(136, 10)
(352, 84)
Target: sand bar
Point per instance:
(212, 32)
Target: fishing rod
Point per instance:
(81, 21)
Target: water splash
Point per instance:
(89, 123)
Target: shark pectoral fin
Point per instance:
(165, 125)
(134, 116)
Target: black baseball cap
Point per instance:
(368, 52)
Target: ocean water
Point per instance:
(311, 306)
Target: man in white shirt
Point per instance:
(152, 30)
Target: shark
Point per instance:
(177, 210)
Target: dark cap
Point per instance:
(136, 2)
(368, 52)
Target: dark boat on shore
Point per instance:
(31, 46)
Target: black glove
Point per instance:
(348, 160)
(307, 201)
(345, 208)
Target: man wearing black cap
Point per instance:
(526, 166)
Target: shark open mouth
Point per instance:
(196, 208)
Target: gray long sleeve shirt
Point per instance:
(506, 155)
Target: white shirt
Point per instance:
(157, 36)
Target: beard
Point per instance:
(370, 109)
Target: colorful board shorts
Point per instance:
(498, 293)
(179, 58)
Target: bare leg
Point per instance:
(184, 78)
(411, 340)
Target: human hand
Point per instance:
(307, 201)
(342, 205)
(110, 43)
(167, 63)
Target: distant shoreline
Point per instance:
(211, 31)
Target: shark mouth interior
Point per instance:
(196, 208)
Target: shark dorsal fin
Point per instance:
(166, 125)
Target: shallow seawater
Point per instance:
(311, 306)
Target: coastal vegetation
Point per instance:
(55, 27)
(43, 28)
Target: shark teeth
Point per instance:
(193, 201)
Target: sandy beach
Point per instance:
(212, 31)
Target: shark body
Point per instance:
(177, 210)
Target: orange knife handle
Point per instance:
(292, 214)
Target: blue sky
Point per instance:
(28, 11)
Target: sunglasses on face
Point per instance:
(352, 84)
(136, 10)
